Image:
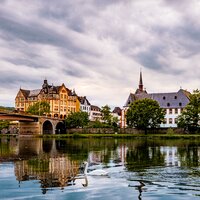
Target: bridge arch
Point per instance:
(47, 145)
(47, 127)
(60, 128)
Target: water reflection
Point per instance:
(139, 187)
(144, 164)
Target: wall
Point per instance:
(29, 128)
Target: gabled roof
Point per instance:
(187, 94)
(117, 110)
(165, 100)
(171, 100)
(34, 93)
(132, 97)
(25, 92)
(84, 101)
(95, 108)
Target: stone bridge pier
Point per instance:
(44, 125)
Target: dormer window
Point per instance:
(175, 97)
(168, 104)
(180, 104)
(164, 98)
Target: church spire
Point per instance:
(140, 82)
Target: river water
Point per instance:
(137, 169)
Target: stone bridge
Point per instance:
(35, 125)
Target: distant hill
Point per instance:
(7, 108)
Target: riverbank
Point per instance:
(123, 133)
(162, 136)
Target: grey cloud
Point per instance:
(15, 80)
(149, 58)
(74, 72)
(130, 42)
(34, 33)
(30, 32)
(30, 62)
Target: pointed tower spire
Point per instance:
(140, 82)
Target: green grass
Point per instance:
(80, 135)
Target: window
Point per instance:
(170, 120)
(175, 97)
(168, 104)
(176, 110)
(180, 104)
(176, 120)
(170, 111)
(165, 121)
(56, 108)
(164, 98)
(181, 110)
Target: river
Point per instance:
(136, 168)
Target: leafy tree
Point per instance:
(4, 124)
(98, 124)
(106, 114)
(144, 114)
(77, 119)
(39, 108)
(190, 117)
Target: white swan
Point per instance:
(96, 172)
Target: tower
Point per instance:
(141, 89)
(140, 83)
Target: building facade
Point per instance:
(95, 113)
(173, 103)
(62, 100)
(85, 105)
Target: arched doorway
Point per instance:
(60, 128)
(47, 127)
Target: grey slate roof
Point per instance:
(95, 108)
(84, 101)
(166, 100)
(34, 93)
(25, 92)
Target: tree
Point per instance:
(39, 108)
(77, 119)
(106, 114)
(4, 124)
(144, 114)
(190, 117)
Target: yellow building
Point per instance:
(62, 101)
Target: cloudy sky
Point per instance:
(99, 46)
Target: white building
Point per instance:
(95, 113)
(172, 102)
(117, 112)
(85, 105)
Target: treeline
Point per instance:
(7, 108)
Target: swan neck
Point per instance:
(86, 168)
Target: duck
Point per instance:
(96, 172)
